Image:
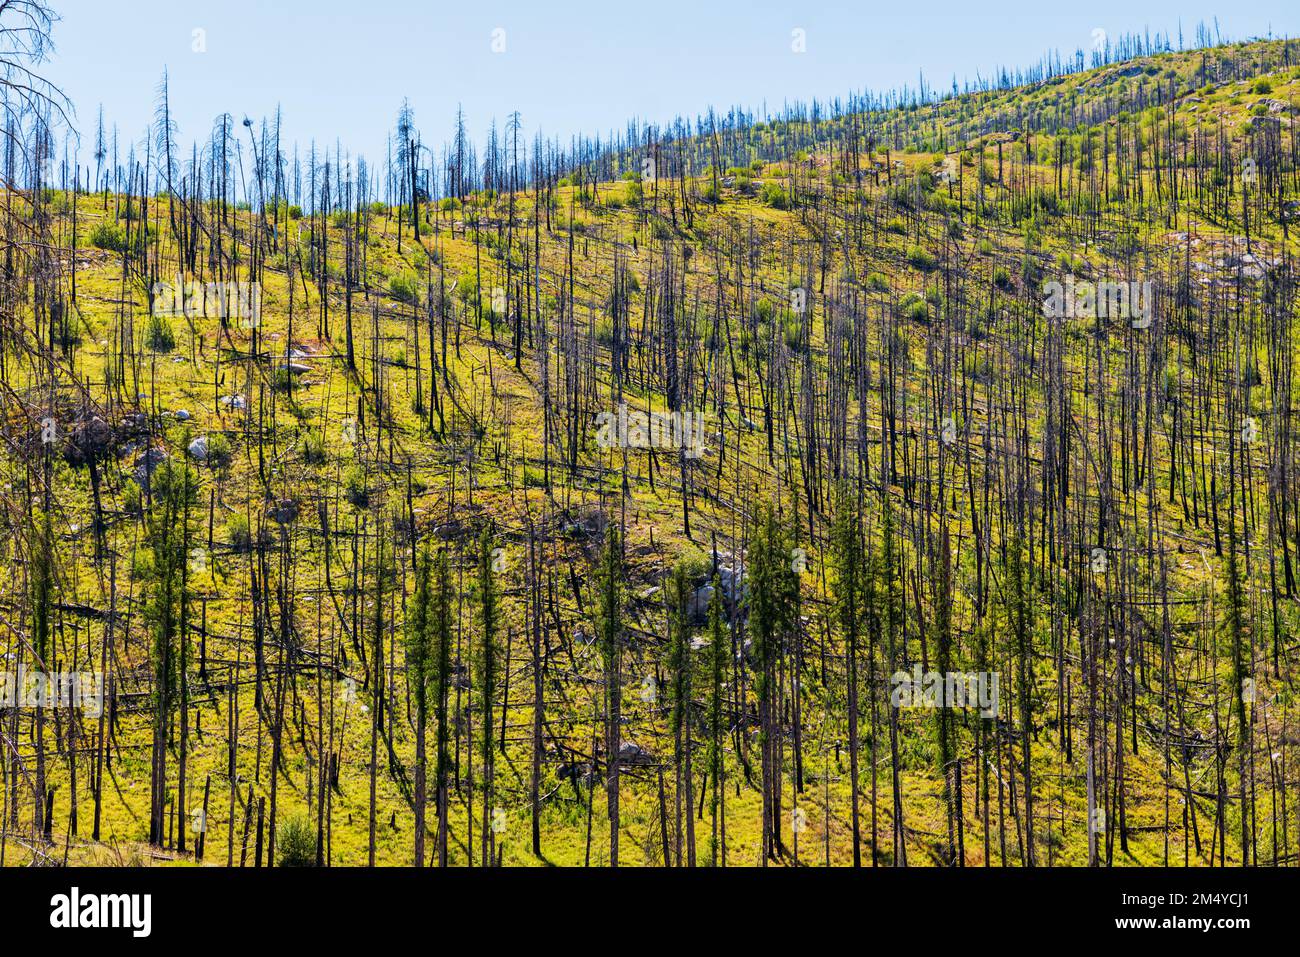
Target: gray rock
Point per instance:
(634, 755)
(92, 435)
(699, 606)
(146, 464)
(283, 511)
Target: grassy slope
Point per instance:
(506, 475)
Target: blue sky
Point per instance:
(340, 69)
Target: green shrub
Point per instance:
(108, 236)
(792, 330)
(237, 533)
(775, 196)
(354, 487)
(914, 307)
(159, 336)
(921, 258)
(404, 287)
(219, 451)
(295, 842)
(466, 288)
(313, 448)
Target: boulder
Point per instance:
(146, 463)
(699, 606)
(283, 512)
(92, 435)
(633, 755)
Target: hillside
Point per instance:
(922, 447)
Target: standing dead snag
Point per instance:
(849, 595)
(377, 695)
(773, 587)
(173, 492)
(679, 625)
(609, 634)
(421, 677)
(488, 665)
